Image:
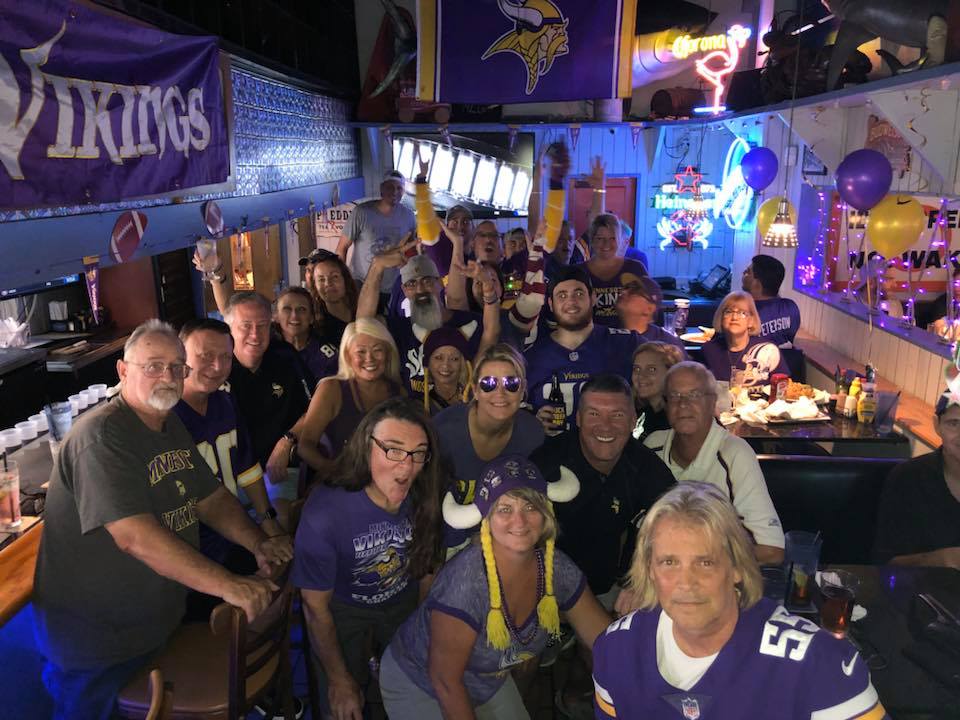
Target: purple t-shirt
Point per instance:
(775, 665)
(759, 359)
(461, 590)
(347, 544)
(609, 291)
(453, 437)
(779, 320)
(321, 356)
(655, 333)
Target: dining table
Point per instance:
(890, 636)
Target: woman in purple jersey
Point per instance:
(363, 544)
(296, 323)
(736, 347)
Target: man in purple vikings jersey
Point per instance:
(779, 317)
(577, 349)
(704, 644)
(211, 417)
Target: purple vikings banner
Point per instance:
(517, 51)
(96, 109)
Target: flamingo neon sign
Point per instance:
(722, 55)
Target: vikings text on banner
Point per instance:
(96, 109)
(516, 51)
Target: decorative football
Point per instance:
(127, 234)
(213, 218)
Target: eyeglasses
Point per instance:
(489, 383)
(694, 396)
(733, 312)
(647, 369)
(425, 282)
(156, 369)
(399, 455)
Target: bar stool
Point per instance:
(220, 672)
(161, 697)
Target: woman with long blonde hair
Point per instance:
(369, 374)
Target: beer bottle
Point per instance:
(558, 403)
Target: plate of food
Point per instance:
(701, 335)
(796, 390)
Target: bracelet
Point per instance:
(599, 191)
(495, 299)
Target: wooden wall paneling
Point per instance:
(919, 379)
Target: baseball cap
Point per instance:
(393, 176)
(645, 287)
(417, 267)
(318, 255)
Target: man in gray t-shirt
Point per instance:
(120, 534)
(376, 226)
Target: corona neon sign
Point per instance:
(722, 55)
(734, 199)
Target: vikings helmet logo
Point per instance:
(759, 362)
(538, 38)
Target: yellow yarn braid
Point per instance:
(497, 634)
(468, 385)
(426, 390)
(548, 612)
(553, 215)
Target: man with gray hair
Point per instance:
(119, 546)
(696, 447)
(705, 642)
(421, 284)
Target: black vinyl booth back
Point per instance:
(837, 496)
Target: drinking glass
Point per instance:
(207, 251)
(9, 495)
(839, 591)
(802, 551)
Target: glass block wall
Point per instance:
(284, 138)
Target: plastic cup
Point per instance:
(91, 397)
(74, 407)
(81, 401)
(59, 419)
(41, 422)
(10, 440)
(839, 591)
(100, 389)
(9, 495)
(28, 430)
(802, 551)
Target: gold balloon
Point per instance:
(895, 224)
(767, 212)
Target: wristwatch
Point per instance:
(269, 514)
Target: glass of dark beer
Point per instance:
(839, 591)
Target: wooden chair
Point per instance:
(161, 697)
(222, 670)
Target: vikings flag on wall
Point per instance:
(97, 109)
(516, 51)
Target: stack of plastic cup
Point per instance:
(100, 389)
(28, 430)
(59, 419)
(41, 422)
(90, 396)
(10, 440)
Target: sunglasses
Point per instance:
(489, 383)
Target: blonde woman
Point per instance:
(736, 348)
(369, 374)
(650, 364)
(704, 633)
(490, 425)
(492, 607)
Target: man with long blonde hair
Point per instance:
(704, 642)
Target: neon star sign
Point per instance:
(721, 57)
(688, 224)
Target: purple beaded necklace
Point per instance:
(531, 632)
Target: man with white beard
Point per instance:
(119, 547)
(421, 285)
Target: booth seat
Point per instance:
(837, 496)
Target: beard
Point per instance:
(575, 324)
(163, 398)
(426, 312)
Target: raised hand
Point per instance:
(597, 173)
(424, 164)
(559, 162)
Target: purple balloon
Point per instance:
(863, 178)
(759, 167)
